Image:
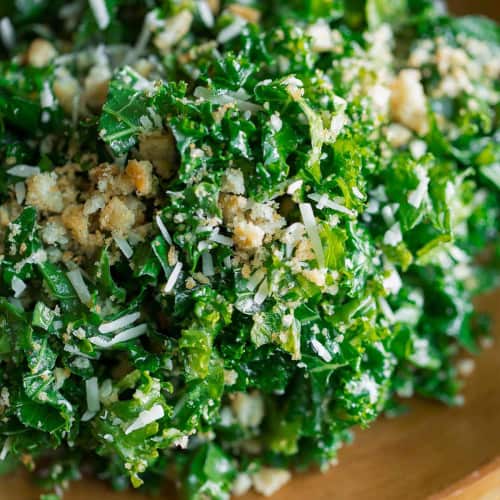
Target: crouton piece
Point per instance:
(43, 193)
(68, 183)
(248, 13)
(96, 86)
(316, 276)
(116, 217)
(232, 207)
(141, 175)
(248, 236)
(175, 28)
(77, 224)
(304, 250)
(66, 88)
(40, 53)
(233, 182)
(408, 102)
(137, 208)
(159, 148)
(214, 5)
(111, 180)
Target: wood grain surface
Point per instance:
(433, 451)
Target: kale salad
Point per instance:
(233, 231)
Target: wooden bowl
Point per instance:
(433, 451)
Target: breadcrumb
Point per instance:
(116, 217)
(43, 193)
(159, 148)
(408, 102)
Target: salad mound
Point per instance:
(234, 231)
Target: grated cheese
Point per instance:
(393, 235)
(239, 99)
(79, 285)
(124, 336)
(18, 286)
(223, 240)
(323, 201)
(311, 226)
(124, 246)
(163, 230)
(20, 191)
(262, 293)
(119, 323)
(255, 279)
(7, 33)
(5, 449)
(172, 279)
(294, 186)
(386, 309)
(146, 417)
(207, 263)
(130, 334)
(321, 351)
(23, 171)
(417, 196)
(206, 14)
(231, 31)
(101, 13)
(92, 394)
(47, 99)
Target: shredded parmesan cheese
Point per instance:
(119, 323)
(79, 285)
(23, 171)
(101, 13)
(172, 279)
(146, 417)
(312, 231)
(163, 230)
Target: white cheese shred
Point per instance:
(163, 230)
(321, 351)
(23, 171)
(18, 286)
(131, 333)
(124, 336)
(223, 240)
(124, 246)
(172, 279)
(311, 226)
(119, 323)
(146, 417)
(5, 449)
(231, 31)
(262, 293)
(393, 235)
(207, 263)
(255, 279)
(20, 191)
(206, 13)
(7, 33)
(101, 13)
(76, 279)
(92, 393)
(323, 201)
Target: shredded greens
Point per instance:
(231, 233)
